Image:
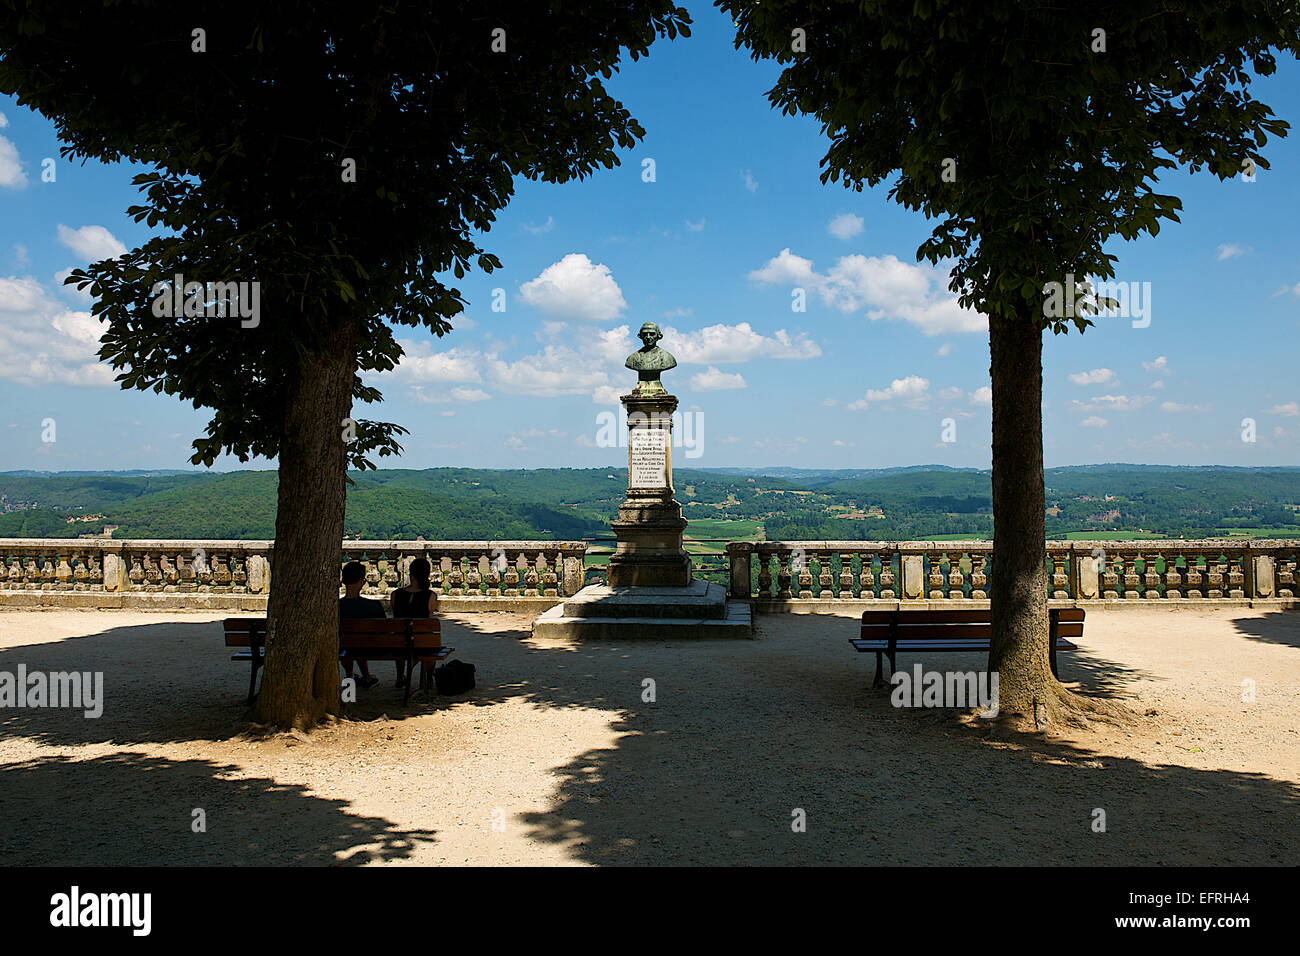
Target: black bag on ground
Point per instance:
(454, 677)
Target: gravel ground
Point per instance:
(556, 758)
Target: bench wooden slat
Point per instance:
(953, 631)
(866, 644)
(390, 625)
(885, 633)
(371, 638)
(954, 616)
(427, 654)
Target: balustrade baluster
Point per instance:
(80, 571)
(1235, 578)
(1173, 578)
(1213, 576)
(1060, 578)
(1131, 579)
(512, 577)
(978, 579)
(784, 571)
(805, 576)
(1110, 576)
(846, 575)
(824, 579)
(1286, 576)
(887, 577)
(531, 577)
(867, 577)
(473, 577)
(936, 575)
(956, 578)
(551, 579)
(1150, 576)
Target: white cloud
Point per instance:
(91, 243)
(884, 286)
(750, 182)
(1094, 421)
(607, 394)
(1230, 251)
(1177, 407)
(713, 380)
(910, 390)
(11, 166)
(678, 313)
(1097, 376)
(846, 226)
(694, 226)
(950, 393)
(1290, 409)
(575, 288)
(1114, 403)
(720, 344)
(460, 393)
(544, 227)
(3, 121)
(422, 364)
(944, 350)
(1160, 364)
(982, 396)
(554, 371)
(42, 342)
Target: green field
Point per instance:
(1113, 536)
(732, 530)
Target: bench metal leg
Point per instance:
(876, 681)
(254, 657)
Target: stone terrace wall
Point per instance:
(236, 575)
(531, 576)
(826, 575)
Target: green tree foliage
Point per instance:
(344, 155)
(1034, 132)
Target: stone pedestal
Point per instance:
(649, 524)
(650, 593)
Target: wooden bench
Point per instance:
(888, 632)
(410, 640)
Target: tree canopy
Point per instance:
(347, 156)
(1033, 131)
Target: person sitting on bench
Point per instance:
(353, 605)
(415, 600)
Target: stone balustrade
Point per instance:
(236, 575)
(806, 575)
(533, 575)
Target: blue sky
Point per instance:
(876, 372)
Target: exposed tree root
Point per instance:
(1057, 709)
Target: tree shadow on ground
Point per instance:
(1275, 627)
(740, 736)
(131, 809)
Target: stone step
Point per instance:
(698, 600)
(555, 625)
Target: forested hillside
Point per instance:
(466, 503)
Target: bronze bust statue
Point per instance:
(650, 361)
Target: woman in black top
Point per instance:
(415, 600)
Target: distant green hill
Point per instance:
(468, 503)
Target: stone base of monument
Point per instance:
(601, 612)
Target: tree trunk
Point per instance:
(1018, 578)
(300, 685)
